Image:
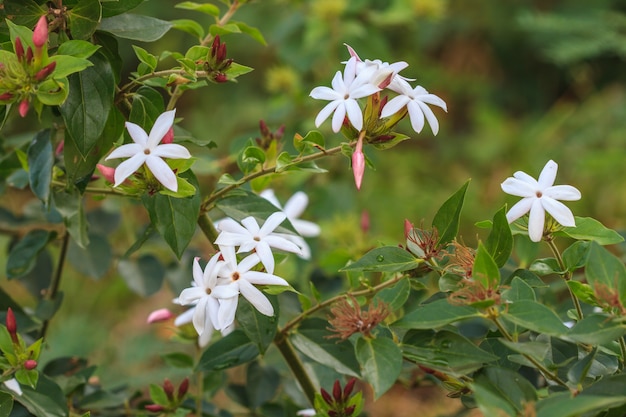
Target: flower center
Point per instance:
(539, 194)
(146, 151)
(346, 96)
(258, 239)
(208, 291)
(235, 276)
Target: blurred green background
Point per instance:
(524, 81)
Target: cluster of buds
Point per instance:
(341, 403)
(217, 64)
(166, 398)
(22, 72)
(267, 136)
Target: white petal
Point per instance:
(191, 295)
(197, 272)
(416, 115)
(430, 116)
(272, 222)
(225, 291)
(13, 385)
(394, 105)
(162, 172)
(519, 209)
(340, 114)
(263, 278)
(270, 196)
(518, 188)
(265, 255)
(230, 239)
(137, 134)
(209, 276)
(251, 225)
(248, 263)
(185, 317)
(434, 100)
(305, 250)
(162, 124)
(125, 151)
(339, 87)
(536, 220)
(226, 313)
(230, 225)
(559, 211)
(326, 111)
(306, 228)
(256, 298)
(354, 113)
(325, 93)
(349, 72)
(295, 206)
(279, 242)
(128, 168)
(364, 90)
(199, 315)
(171, 150)
(562, 192)
(548, 174)
(400, 86)
(204, 339)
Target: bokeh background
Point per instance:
(524, 81)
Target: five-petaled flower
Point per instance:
(540, 196)
(146, 149)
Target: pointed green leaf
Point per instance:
(136, 27)
(40, 163)
(500, 390)
(500, 241)
(259, 328)
(394, 297)
(84, 18)
(381, 363)
(448, 216)
(252, 31)
(385, 259)
(23, 255)
(113, 8)
(575, 256)
(563, 404)
(262, 382)
(519, 290)
(205, 8)
(47, 400)
(189, 26)
(534, 316)
(147, 107)
(232, 350)
(597, 329)
(434, 315)
(579, 371)
(591, 229)
(23, 12)
(485, 269)
(604, 271)
(6, 404)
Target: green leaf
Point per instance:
(497, 390)
(174, 218)
(262, 382)
(448, 216)
(312, 140)
(519, 290)
(23, 255)
(53, 92)
(579, 371)
(253, 32)
(385, 259)
(93, 261)
(178, 360)
(88, 104)
(534, 316)
(206, 8)
(583, 292)
(40, 163)
(158, 395)
(135, 27)
(232, 350)
(226, 29)
(444, 350)
(575, 256)
(485, 269)
(259, 328)
(84, 18)
(381, 363)
(394, 297)
(6, 404)
(500, 241)
(113, 8)
(236, 70)
(250, 158)
(147, 107)
(76, 49)
(145, 57)
(46, 401)
(67, 65)
(597, 329)
(434, 315)
(312, 339)
(563, 404)
(240, 204)
(24, 12)
(143, 275)
(591, 229)
(604, 271)
(70, 204)
(390, 140)
(537, 350)
(189, 26)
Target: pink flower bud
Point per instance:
(159, 315)
(29, 55)
(23, 108)
(408, 226)
(155, 408)
(352, 52)
(365, 221)
(347, 390)
(109, 175)
(182, 388)
(358, 163)
(6, 96)
(43, 73)
(30, 364)
(11, 323)
(19, 49)
(40, 35)
(169, 136)
(59, 150)
(220, 77)
(168, 387)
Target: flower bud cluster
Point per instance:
(341, 403)
(217, 64)
(166, 397)
(23, 72)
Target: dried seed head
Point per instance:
(348, 318)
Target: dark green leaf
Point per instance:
(24, 12)
(40, 163)
(147, 107)
(47, 400)
(312, 339)
(135, 27)
(87, 107)
(144, 275)
(94, 260)
(578, 372)
(545, 266)
(575, 256)
(537, 350)
(313, 140)
(178, 360)
(597, 329)
(563, 404)
(498, 390)
(113, 8)
(605, 271)
(6, 404)
(394, 297)
(259, 328)
(232, 350)
(262, 382)
(591, 229)
(519, 290)
(534, 316)
(84, 18)
(500, 241)
(448, 216)
(485, 269)
(381, 363)
(434, 315)
(24, 254)
(385, 259)
(175, 218)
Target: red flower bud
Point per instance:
(6, 96)
(23, 108)
(215, 45)
(408, 226)
(349, 410)
(11, 324)
(221, 53)
(365, 221)
(155, 408)
(169, 136)
(40, 35)
(220, 77)
(59, 150)
(30, 364)
(337, 391)
(183, 387)
(168, 387)
(43, 73)
(265, 131)
(332, 413)
(29, 55)
(326, 396)
(347, 390)
(19, 49)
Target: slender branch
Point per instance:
(207, 227)
(295, 364)
(566, 277)
(56, 280)
(200, 386)
(158, 74)
(93, 190)
(622, 346)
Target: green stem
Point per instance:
(295, 364)
(207, 227)
(56, 281)
(567, 277)
(622, 346)
(158, 74)
(93, 190)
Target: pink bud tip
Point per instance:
(23, 108)
(169, 136)
(43, 73)
(183, 388)
(408, 226)
(159, 315)
(40, 35)
(168, 387)
(365, 221)
(30, 364)
(19, 49)
(358, 164)
(220, 77)
(11, 323)
(59, 150)
(109, 174)
(155, 408)
(6, 96)
(352, 52)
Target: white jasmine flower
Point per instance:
(205, 294)
(146, 149)
(540, 196)
(307, 412)
(293, 210)
(345, 90)
(239, 278)
(249, 236)
(415, 100)
(13, 385)
(383, 69)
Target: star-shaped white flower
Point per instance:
(249, 236)
(416, 101)
(346, 89)
(294, 207)
(146, 149)
(238, 277)
(205, 294)
(540, 196)
(383, 71)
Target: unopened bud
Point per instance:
(23, 107)
(349, 410)
(43, 73)
(6, 96)
(215, 46)
(168, 387)
(265, 131)
(337, 391)
(221, 53)
(182, 388)
(220, 77)
(358, 163)
(29, 55)
(408, 226)
(155, 408)
(11, 325)
(109, 175)
(40, 35)
(326, 396)
(30, 364)
(365, 221)
(332, 413)
(347, 390)
(59, 149)
(169, 136)
(279, 132)
(19, 49)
